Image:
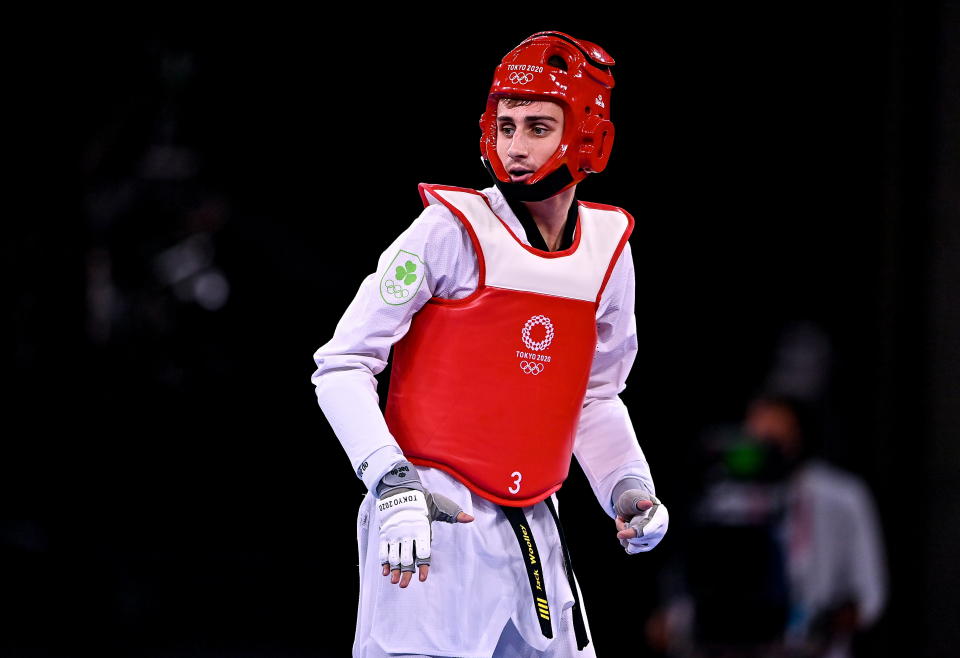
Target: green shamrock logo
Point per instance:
(402, 278)
(406, 273)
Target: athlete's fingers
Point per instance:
(394, 555)
(644, 505)
(424, 570)
(406, 555)
(629, 533)
(405, 578)
(463, 517)
(421, 548)
(386, 568)
(394, 576)
(624, 531)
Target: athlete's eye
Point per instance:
(540, 131)
(507, 129)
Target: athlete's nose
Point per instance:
(518, 147)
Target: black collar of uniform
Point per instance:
(533, 231)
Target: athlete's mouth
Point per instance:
(519, 175)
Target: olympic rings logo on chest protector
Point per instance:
(531, 367)
(537, 346)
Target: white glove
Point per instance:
(404, 529)
(640, 525)
(406, 510)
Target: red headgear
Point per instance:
(574, 73)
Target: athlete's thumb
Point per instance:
(644, 505)
(442, 508)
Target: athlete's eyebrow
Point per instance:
(530, 119)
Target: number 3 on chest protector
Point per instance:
(516, 482)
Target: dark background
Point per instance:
(203, 197)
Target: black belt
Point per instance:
(538, 585)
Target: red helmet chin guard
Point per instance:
(576, 74)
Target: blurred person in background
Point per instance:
(785, 556)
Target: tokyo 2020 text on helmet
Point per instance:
(574, 73)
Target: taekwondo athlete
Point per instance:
(510, 314)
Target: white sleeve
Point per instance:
(606, 446)
(432, 250)
(867, 562)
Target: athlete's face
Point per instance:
(527, 135)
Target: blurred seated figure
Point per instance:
(784, 558)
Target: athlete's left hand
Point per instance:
(642, 521)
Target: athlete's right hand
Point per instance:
(406, 510)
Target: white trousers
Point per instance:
(511, 645)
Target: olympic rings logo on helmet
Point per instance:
(537, 346)
(531, 367)
(521, 78)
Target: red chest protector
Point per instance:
(489, 388)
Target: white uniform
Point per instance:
(477, 581)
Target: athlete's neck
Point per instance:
(550, 216)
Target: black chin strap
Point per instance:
(544, 189)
